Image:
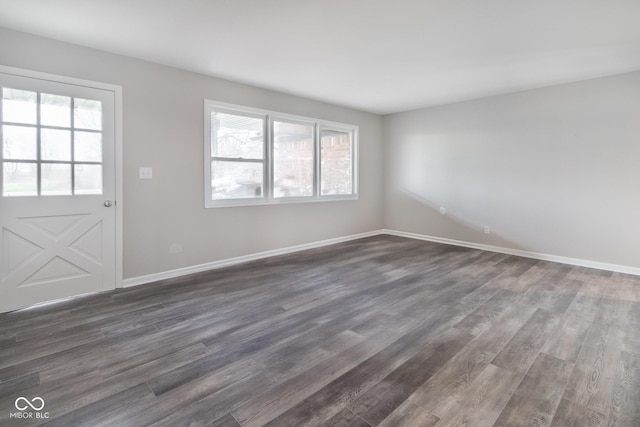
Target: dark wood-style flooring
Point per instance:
(382, 331)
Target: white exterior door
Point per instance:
(57, 213)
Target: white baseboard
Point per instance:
(170, 274)
(140, 280)
(527, 254)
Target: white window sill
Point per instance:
(279, 201)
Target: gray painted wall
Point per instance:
(554, 170)
(163, 128)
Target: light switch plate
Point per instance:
(146, 173)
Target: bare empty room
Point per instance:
(320, 213)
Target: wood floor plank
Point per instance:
(541, 272)
(591, 382)
(482, 403)
(345, 418)
(11, 387)
(442, 390)
(71, 355)
(594, 287)
(217, 397)
(549, 295)
(410, 415)
(41, 349)
(225, 421)
(631, 328)
(74, 397)
(536, 399)
(373, 327)
(520, 352)
(269, 405)
(567, 340)
(359, 379)
(625, 400)
(481, 319)
(571, 414)
(56, 393)
(245, 344)
(382, 399)
(102, 411)
(514, 267)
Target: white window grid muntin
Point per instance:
(267, 198)
(38, 161)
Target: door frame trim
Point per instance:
(117, 115)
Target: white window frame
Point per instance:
(268, 176)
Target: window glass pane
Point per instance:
(87, 114)
(236, 180)
(335, 163)
(55, 144)
(87, 147)
(19, 179)
(19, 142)
(88, 179)
(292, 159)
(236, 136)
(55, 179)
(55, 110)
(19, 106)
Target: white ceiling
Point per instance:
(380, 56)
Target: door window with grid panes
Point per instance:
(51, 144)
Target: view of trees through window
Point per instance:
(265, 157)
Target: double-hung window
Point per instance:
(260, 157)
